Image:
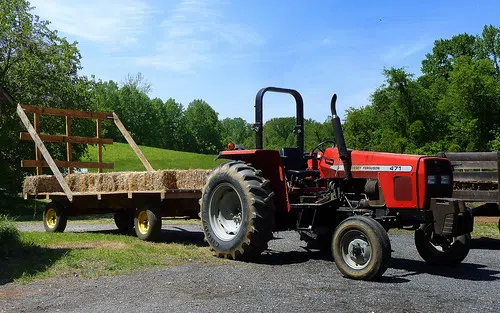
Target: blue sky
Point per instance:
(224, 51)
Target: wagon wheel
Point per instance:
(55, 218)
(147, 224)
(124, 220)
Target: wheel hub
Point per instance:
(225, 212)
(143, 222)
(51, 218)
(356, 249)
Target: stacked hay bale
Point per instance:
(119, 181)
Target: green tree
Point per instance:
(38, 68)
(174, 133)
(204, 128)
(278, 133)
(235, 130)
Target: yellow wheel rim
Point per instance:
(143, 222)
(51, 218)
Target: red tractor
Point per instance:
(339, 200)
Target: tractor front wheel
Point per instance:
(237, 211)
(55, 218)
(361, 248)
(439, 251)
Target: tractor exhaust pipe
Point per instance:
(345, 155)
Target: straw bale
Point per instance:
(191, 179)
(119, 181)
(47, 183)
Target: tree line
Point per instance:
(453, 106)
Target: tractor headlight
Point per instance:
(445, 179)
(431, 179)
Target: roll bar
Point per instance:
(259, 124)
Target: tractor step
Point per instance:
(302, 206)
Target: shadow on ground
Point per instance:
(174, 234)
(485, 243)
(18, 258)
(463, 271)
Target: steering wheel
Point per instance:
(317, 147)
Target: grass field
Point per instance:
(125, 159)
(25, 256)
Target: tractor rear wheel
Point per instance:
(361, 248)
(55, 218)
(237, 211)
(440, 252)
(124, 220)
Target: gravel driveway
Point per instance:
(286, 279)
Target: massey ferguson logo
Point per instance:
(375, 168)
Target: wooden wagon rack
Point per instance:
(145, 207)
(47, 161)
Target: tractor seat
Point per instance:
(295, 164)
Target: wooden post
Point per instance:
(45, 153)
(132, 143)
(99, 146)
(498, 180)
(69, 151)
(38, 155)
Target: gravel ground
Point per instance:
(285, 279)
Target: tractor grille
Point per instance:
(439, 177)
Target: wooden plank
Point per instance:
(480, 177)
(498, 176)
(5, 96)
(70, 139)
(474, 165)
(45, 153)
(477, 195)
(38, 155)
(69, 150)
(132, 143)
(470, 156)
(99, 146)
(66, 112)
(42, 163)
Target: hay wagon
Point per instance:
(476, 177)
(137, 199)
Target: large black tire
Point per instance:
(55, 218)
(124, 220)
(361, 248)
(435, 254)
(237, 211)
(147, 224)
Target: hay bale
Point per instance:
(119, 181)
(191, 179)
(34, 184)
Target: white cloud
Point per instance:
(196, 34)
(403, 51)
(113, 23)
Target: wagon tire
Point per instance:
(55, 218)
(124, 220)
(147, 224)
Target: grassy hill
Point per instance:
(125, 159)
